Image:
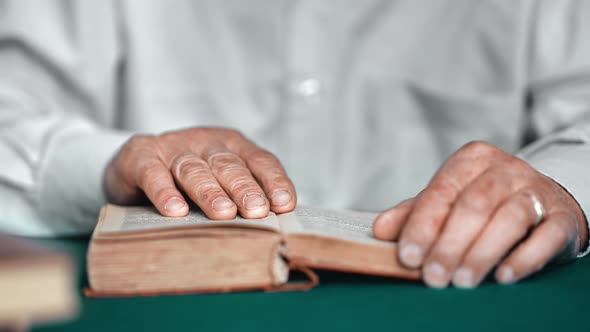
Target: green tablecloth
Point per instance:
(557, 298)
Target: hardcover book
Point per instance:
(136, 251)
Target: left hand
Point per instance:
(477, 213)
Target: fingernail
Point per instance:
(174, 204)
(506, 275)
(222, 203)
(463, 278)
(280, 197)
(253, 201)
(435, 275)
(411, 255)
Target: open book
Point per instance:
(135, 251)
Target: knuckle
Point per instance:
(433, 223)
(242, 185)
(559, 231)
(479, 148)
(439, 191)
(207, 189)
(137, 147)
(516, 165)
(518, 211)
(488, 183)
(237, 141)
(231, 134)
(499, 180)
(236, 134)
(149, 171)
(188, 166)
(223, 160)
(140, 140)
(169, 138)
(475, 201)
(226, 164)
(261, 157)
(196, 135)
(149, 168)
(425, 228)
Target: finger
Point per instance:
(509, 225)
(272, 177)
(196, 180)
(154, 178)
(122, 174)
(233, 176)
(389, 223)
(469, 215)
(556, 235)
(121, 189)
(434, 203)
(423, 225)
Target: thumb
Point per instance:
(389, 223)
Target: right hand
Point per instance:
(218, 169)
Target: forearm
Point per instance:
(50, 180)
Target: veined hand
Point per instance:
(219, 169)
(480, 211)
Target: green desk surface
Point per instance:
(557, 298)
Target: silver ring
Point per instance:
(538, 207)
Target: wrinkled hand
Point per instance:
(476, 214)
(218, 169)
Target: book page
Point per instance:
(118, 219)
(341, 224)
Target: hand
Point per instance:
(218, 169)
(477, 212)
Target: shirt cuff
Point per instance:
(566, 162)
(70, 179)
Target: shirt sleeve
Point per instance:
(565, 159)
(54, 143)
(559, 86)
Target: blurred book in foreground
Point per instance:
(136, 251)
(36, 284)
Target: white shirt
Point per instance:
(360, 100)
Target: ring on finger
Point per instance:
(537, 206)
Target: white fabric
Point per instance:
(361, 100)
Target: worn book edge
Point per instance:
(292, 262)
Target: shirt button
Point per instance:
(306, 88)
